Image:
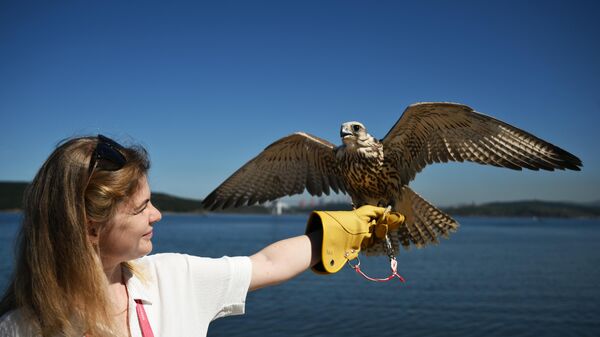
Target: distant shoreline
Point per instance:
(11, 196)
(471, 216)
(17, 210)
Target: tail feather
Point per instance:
(423, 225)
(429, 221)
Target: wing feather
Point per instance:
(440, 132)
(288, 166)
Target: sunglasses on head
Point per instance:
(108, 156)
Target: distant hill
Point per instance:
(527, 208)
(11, 196)
(169, 203)
(594, 203)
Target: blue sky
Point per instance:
(206, 86)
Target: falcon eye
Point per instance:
(355, 127)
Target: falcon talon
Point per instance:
(389, 248)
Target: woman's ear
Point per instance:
(93, 232)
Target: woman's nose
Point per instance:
(155, 215)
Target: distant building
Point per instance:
(278, 206)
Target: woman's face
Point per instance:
(129, 233)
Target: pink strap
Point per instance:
(393, 267)
(143, 319)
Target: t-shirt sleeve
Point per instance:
(230, 279)
(199, 288)
(12, 324)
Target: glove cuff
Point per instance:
(343, 233)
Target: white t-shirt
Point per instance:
(181, 294)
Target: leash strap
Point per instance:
(143, 319)
(393, 267)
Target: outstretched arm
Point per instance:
(285, 259)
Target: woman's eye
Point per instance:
(139, 210)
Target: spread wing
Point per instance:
(286, 167)
(442, 132)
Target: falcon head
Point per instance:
(355, 134)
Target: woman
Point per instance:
(83, 266)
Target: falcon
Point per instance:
(377, 172)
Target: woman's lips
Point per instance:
(149, 234)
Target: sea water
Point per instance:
(493, 277)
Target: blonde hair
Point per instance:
(59, 284)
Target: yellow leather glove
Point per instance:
(346, 232)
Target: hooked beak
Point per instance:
(345, 132)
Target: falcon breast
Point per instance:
(378, 172)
